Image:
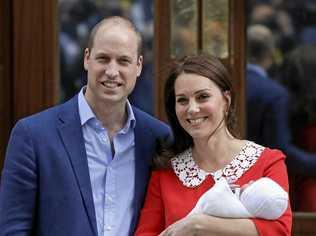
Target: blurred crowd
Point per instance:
(282, 53)
(292, 23)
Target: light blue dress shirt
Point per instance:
(112, 177)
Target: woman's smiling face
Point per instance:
(200, 105)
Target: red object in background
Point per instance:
(306, 187)
(307, 138)
(306, 192)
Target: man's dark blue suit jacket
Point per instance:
(45, 187)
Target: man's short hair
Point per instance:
(260, 42)
(115, 20)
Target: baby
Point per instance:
(263, 198)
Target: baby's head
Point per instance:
(264, 198)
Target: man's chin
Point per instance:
(111, 98)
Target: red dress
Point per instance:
(173, 193)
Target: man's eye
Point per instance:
(124, 61)
(101, 59)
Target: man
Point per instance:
(266, 99)
(81, 168)
(268, 104)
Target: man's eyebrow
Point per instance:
(101, 54)
(125, 56)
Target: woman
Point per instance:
(200, 106)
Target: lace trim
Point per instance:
(192, 176)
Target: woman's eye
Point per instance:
(203, 96)
(181, 100)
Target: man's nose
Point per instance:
(111, 70)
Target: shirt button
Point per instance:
(108, 228)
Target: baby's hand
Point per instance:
(237, 190)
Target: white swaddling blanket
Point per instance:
(264, 199)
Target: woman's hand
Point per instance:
(183, 227)
(201, 224)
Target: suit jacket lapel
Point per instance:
(70, 130)
(143, 157)
(141, 160)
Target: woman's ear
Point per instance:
(227, 97)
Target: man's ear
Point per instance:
(139, 65)
(86, 58)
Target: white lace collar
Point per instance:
(191, 175)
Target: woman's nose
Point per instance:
(193, 108)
